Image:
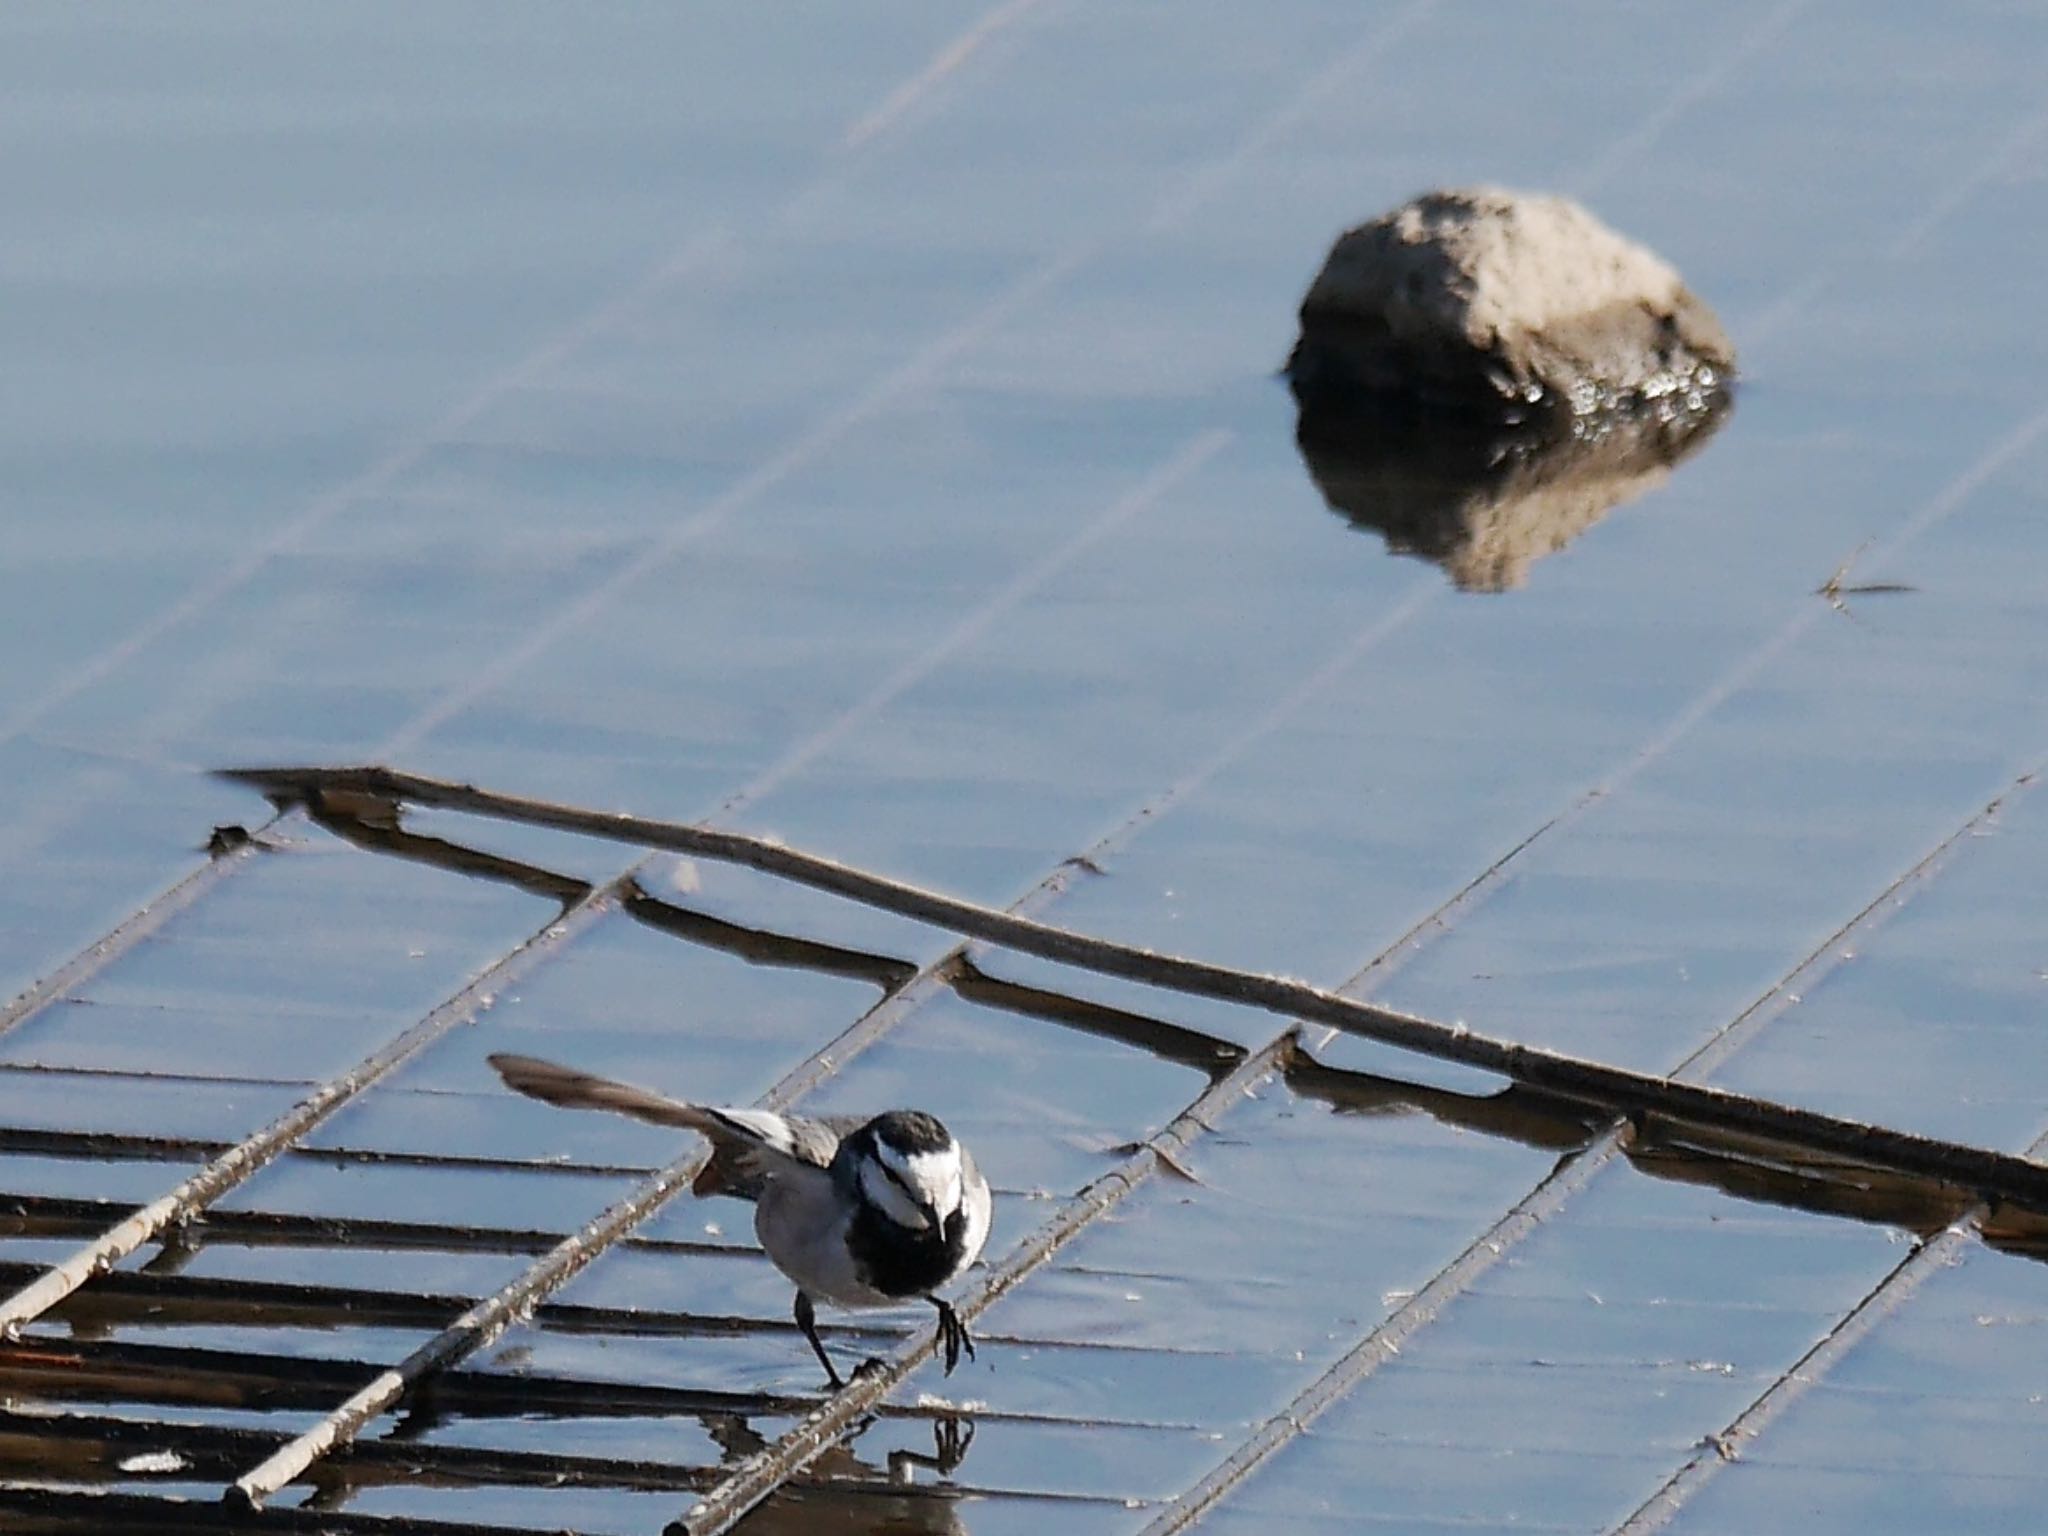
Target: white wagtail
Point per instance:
(859, 1213)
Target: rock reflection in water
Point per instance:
(1486, 504)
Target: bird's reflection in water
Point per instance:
(846, 1493)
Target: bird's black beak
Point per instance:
(930, 1213)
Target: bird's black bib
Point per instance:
(894, 1259)
(900, 1262)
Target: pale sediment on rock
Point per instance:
(1505, 307)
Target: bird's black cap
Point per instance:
(910, 1131)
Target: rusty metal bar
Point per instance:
(91, 1370)
(122, 1372)
(484, 1321)
(224, 1172)
(66, 1216)
(1385, 1342)
(750, 1481)
(1569, 1076)
(1718, 1450)
(97, 1513)
(1550, 1196)
(126, 934)
(1940, 1252)
(98, 1444)
(143, 1147)
(760, 946)
(213, 1450)
(166, 1301)
(477, 1326)
(359, 816)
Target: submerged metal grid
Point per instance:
(120, 1449)
(72, 1370)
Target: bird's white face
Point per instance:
(904, 1185)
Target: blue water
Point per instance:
(862, 427)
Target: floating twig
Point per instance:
(1835, 589)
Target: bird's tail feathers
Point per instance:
(746, 1144)
(553, 1083)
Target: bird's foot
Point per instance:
(954, 1339)
(951, 1436)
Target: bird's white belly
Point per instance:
(802, 1224)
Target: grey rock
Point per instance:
(1504, 307)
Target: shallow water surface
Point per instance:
(864, 433)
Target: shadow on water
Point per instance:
(1486, 502)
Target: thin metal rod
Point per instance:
(1632, 1092)
(476, 1328)
(102, 1513)
(232, 1167)
(74, 1216)
(123, 1372)
(1718, 1450)
(1940, 1252)
(96, 1446)
(239, 1162)
(1571, 1177)
(95, 1370)
(748, 1482)
(1385, 1342)
(204, 1447)
(126, 934)
(489, 1317)
(142, 1147)
(348, 1419)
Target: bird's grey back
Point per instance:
(738, 1167)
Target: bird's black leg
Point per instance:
(953, 1337)
(951, 1436)
(807, 1319)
